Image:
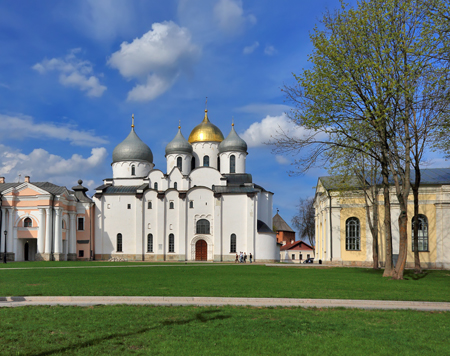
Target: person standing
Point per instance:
(237, 258)
(250, 257)
(245, 257)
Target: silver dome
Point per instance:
(233, 143)
(132, 149)
(178, 145)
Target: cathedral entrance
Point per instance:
(26, 251)
(201, 250)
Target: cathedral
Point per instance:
(205, 207)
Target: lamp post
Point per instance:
(4, 253)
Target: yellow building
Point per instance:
(343, 235)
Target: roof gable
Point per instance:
(279, 224)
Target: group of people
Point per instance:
(242, 257)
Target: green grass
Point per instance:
(225, 281)
(143, 330)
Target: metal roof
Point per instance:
(233, 143)
(132, 149)
(121, 189)
(238, 178)
(279, 224)
(262, 227)
(179, 145)
(47, 186)
(233, 189)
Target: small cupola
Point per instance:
(179, 145)
(233, 143)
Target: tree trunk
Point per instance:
(402, 253)
(388, 268)
(375, 230)
(415, 189)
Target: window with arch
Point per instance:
(191, 204)
(233, 243)
(149, 205)
(28, 222)
(119, 243)
(64, 226)
(218, 163)
(155, 186)
(232, 164)
(133, 170)
(180, 163)
(149, 243)
(423, 232)
(171, 205)
(175, 185)
(206, 161)
(192, 163)
(171, 243)
(203, 226)
(352, 234)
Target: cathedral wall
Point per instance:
(124, 169)
(185, 165)
(206, 177)
(202, 149)
(236, 219)
(239, 163)
(150, 224)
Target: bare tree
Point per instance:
(304, 221)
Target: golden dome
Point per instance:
(205, 132)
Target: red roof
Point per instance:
(297, 245)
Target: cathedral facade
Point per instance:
(204, 207)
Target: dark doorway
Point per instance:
(201, 250)
(26, 251)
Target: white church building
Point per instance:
(205, 207)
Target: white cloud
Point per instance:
(41, 165)
(260, 133)
(22, 127)
(73, 72)
(270, 50)
(158, 58)
(282, 160)
(251, 48)
(230, 16)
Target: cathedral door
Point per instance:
(26, 251)
(201, 250)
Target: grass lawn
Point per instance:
(143, 330)
(223, 281)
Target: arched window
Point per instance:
(191, 204)
(233, 243)
(175, 185)
(171, 205)
(149, 205)
(423, 233)
(203, 226)
(149, 243)
(171, 243)
(119, 243)
(232, 164)
(133, 170)
(28, 222)
(180, 163)
(218, 163)
(64, 225)
(192, 163)
(155, 186)
(352, 234)
(206, 161)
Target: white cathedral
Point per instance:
(205, 207)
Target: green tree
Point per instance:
(359, 94)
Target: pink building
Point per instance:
(44, 221)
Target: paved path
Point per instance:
(214, 301)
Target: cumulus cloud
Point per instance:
(251, 48)
(22, 127)
(157, 58)
(230, 16)
(73, 72)
(270, 50)
(260, 133)
(44, 166)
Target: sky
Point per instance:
(73, 72)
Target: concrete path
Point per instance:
(214, 301)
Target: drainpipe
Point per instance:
(331, 230)
(53, 229)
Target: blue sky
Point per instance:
(73, 72)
